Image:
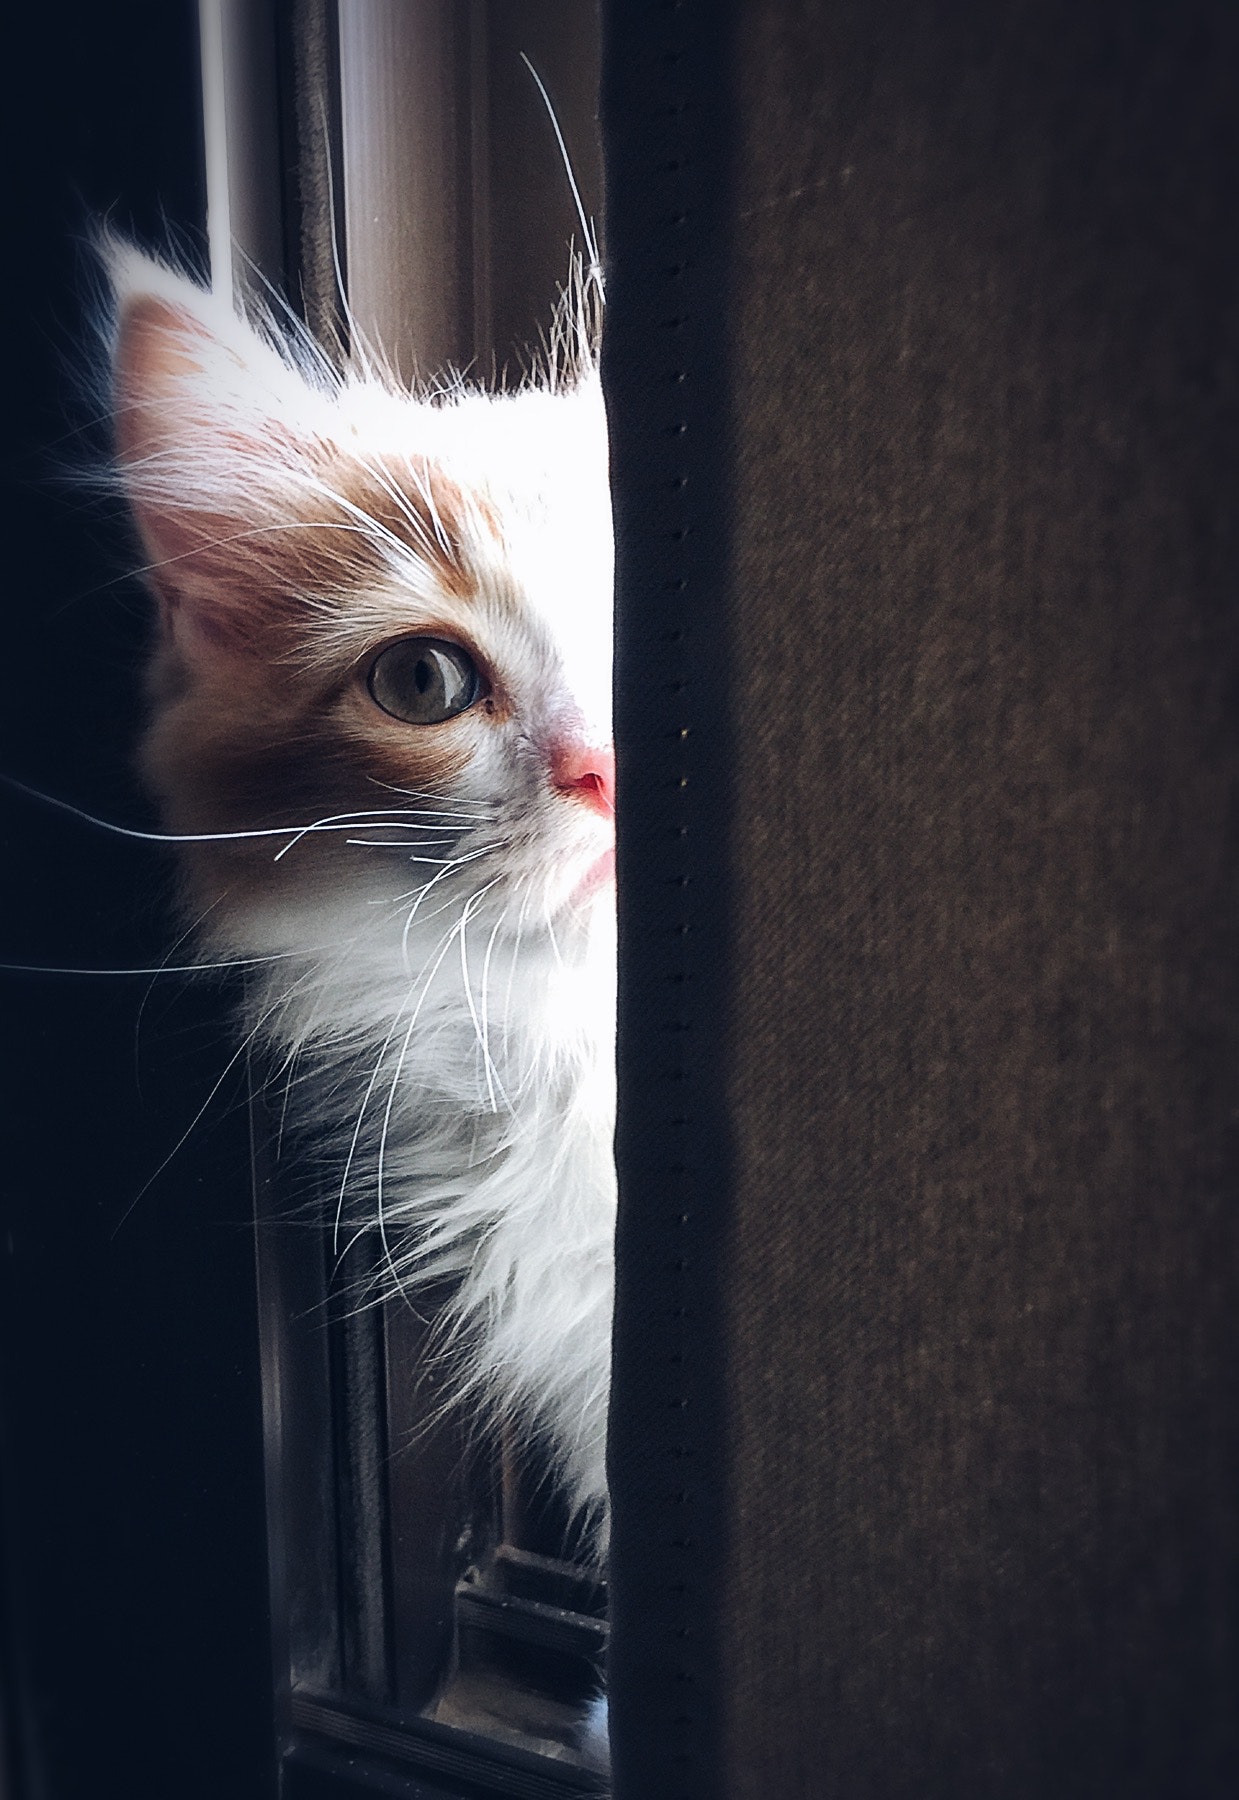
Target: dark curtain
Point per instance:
(921, 365)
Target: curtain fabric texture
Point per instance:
(922, 374)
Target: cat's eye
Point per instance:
(424, 680)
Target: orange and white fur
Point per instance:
(381, 727)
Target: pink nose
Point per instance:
(587, 772)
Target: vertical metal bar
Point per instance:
(314, 248)
(241, 127)
(215, 138)
(437, 1525)
(478, 194)
(400, 102)
(301, 1506)
(362, 1504)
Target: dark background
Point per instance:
(136, 1653)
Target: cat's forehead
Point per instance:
(531, 467)
(535, 452)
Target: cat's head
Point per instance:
(384, 619)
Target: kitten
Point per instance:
(380, 717)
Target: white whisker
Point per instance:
(457, 863)
(469, 1001)
(197, 968)
(361, 1114)
(492, 1074)
(349, 821)
(370, 526)
(242, 1048)
(393, 844)
(391, 1101)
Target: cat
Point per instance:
(380, 727)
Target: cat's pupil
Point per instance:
(424, 681)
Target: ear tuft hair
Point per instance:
(252, 469)
(218, 431)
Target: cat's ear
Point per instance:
(216, 441)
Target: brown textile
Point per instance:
(932, 1287)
